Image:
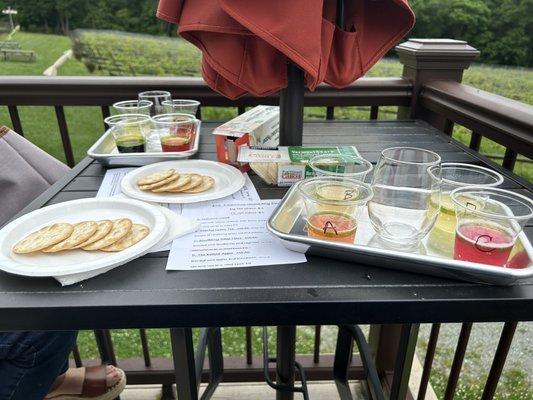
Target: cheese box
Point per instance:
(258, 127)
(287, 165)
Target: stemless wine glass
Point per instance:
(133, 107)
(488, 223)
(455, 175)
(181, 106)
(341, 166)
(406, 198)
(176, 131)
(157, 97)
(333, 206)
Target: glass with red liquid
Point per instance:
(489, 221)
(177, 132)
(332, 206)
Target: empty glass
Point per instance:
(133, 107)
(333, 206)
(406, 198)
(488, 223)
(455, 175)
(157, 97)
(130, 134)
(181, 106)
(176, 132)
(341, 166)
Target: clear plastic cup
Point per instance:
(406, 198)
(115, 119)
(157, 97)
(181, 106)
(489, 221)
(130, 134)
(133, 107)
(341, 166)
(176, 132)
(455, 175)
(333, 206)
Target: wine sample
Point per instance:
(332, 226)
(485, 244)
(174, 143)
(442, 235)
(130, 143)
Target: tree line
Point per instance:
(501, 29)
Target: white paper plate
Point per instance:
(228, 180)
(78, 261)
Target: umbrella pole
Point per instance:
(291, 99)
(291, 108)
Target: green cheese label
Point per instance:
(301, 155)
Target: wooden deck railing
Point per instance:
(59, 92)
(430, 90)
(505, 121)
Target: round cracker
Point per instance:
(196, 180)
(43, 238)
(155, 177)
(183, 180)
(138, 232)
(102, 229)
(82, 231)
(207, 183)
(121, 227)
(170, 179)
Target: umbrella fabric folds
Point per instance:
(246, 43)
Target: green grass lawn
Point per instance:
(85, 126)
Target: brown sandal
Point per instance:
(95, 386)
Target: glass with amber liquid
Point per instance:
(455, 175)
(332, 207)
(177, 132)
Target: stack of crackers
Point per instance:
(105, 235)
(171, 181)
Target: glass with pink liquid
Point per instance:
(488, 223)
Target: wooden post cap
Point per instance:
(436, 54)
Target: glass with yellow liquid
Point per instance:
(332, 206)
(455, 175)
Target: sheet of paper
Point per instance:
(110, 187)
(231, 235)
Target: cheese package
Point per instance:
(258, 127)
(287, 165)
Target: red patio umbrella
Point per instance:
(246, 44)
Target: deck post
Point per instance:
(432, 59)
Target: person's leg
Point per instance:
(31, 361)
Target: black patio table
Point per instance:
(142, 294)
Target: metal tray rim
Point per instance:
(462, 266)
